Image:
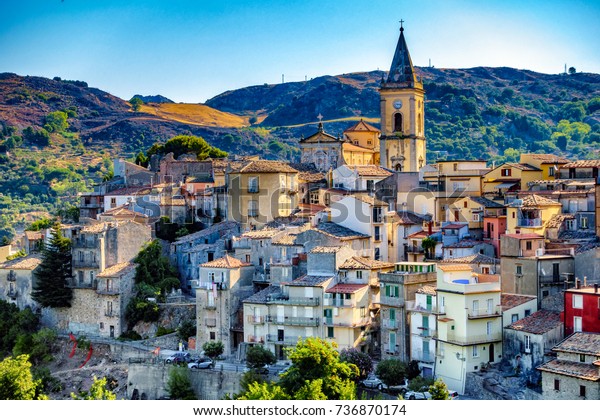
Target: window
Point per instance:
(584, 223)
(519, 270)
(398, 122)
(213, 335)
(488, 328)
(330, 332)
(377, 235)
(577, 301)
(476, 217)
(527, 344)
(528, 246)
(551, 171)
(370, 184)
(557, 384)
(247, 258)
(475, 351)
(505, 172)
(455, 167)
(377, 254)
(211, 277)
(582, 358)
(113, 202)
(514, 318)
(253, 184)
(102, 325)
(252, 208)
(582, 390)
(359, 274)
(465, 204)
(392, 347)
(391, 291)
(363, 311)
(576, 324)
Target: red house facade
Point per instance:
(582, 310)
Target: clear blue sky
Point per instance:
(190, 51)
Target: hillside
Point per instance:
(478, 113)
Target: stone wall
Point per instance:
(492, 385)
(569, 388)
(151, 380)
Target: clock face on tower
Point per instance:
(398, 104)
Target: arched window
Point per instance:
(398, 168)
(398, 122)
(420, 124)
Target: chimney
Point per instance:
(577, 282)
(584, 281)
(429, 228)
(596, 288)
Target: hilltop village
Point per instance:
(458, 265)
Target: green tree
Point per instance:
(39, 138)
(14, 324)
(413, 370)
(179, 385)
(439, 390)
(258, 356)
(136, 103)
(186, 330)
(16, 380)
(316, 367)
(54, 273)
(142, 160)
(213, 349)
(428, 245)
(185, 144)
(264, 391)
(361, 360)
(56, 122)
(99, 390)
(391, 371)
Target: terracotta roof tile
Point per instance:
(427, 290)
(471, 259)
(362, 263)
(455, 226)
(366, 198)
(94, 228)
(557, 220)
(538, 322)
(346, 288)
(586, 371)
(118, 269)
(455, 267)
(226, 262)
(29, 262)
(370, 170)
(285, 240)
(129, 191)
(546, 157)
(33, 235)
(362, 127)
(326, 249)
(465, 243)
(338, 231)
(260, 234)
(534, 201)
(263, 295)
(266, 166)
(580, 342)
(511, 300)
(595, 163)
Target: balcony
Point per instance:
(451, 337)
(298, 301)
(110, 313)
(286, 340)
(85, 264)
(412, 306)
(210, 305)
(485, 313)
(338, 302)
(85, 244)
(395, 301)
(415, 250)
(525, 222)
(255, 319)
(330, 322)
(550, 280)
(294, 320)
(390, 324)
(423, 357)
(256, 339)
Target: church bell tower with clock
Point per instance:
(402, 142)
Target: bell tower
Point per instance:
(402, 142)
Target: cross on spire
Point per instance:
(320, 117)
(401, 22)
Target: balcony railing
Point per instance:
(411, 305)
(415, 250)
(253, 190)
(286, 340)
(86, 264)
(338, 302)
(468, 340)
(423, 357)
(256, 339)
(331, 322)
(396, 301)
(524, 222)
(85, 244)
(391, 324)
(299, 301)
(485, 312)
(294, 320)
(550, 279)
(255, 319)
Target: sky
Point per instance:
(191, 51)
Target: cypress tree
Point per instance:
(54, 273)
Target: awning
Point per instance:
(505, 185)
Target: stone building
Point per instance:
(17, 278)
(575, 373)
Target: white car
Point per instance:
(422, 394)
(373, 382)
(201, 364)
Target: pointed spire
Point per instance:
(402, 70)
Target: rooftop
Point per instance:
(29, 262)
(266, 166)
(579, 370)
(534, 201)
(346, 288)
(218, 227)
(325, 249)
(338, 231)
(539, 322)
(118, 269)
(288, 239)
(409, 218)
(581, 343)
(511, 300)
(595, 163)
(263, 295)
(260, 234)
(130, 191)
(370, 170)
(455, 226)
(545, 158)
(427, 290)
(471, 259)
(226, 262)
(33, 235)
(362, 263)
(455, 267)
(307, 280)
(362, 126)
(366, 198)
(465, 243)
(524, 236)
(486, 202)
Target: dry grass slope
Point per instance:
(196, 114)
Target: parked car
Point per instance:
(178, 357)
(453, 395)
(399, 389)
(373, 382)
(285, 369)
(422, 394)
(202, 363)
(263, 370)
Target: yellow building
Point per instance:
(472, 210)
(548, 163)
(509, 177)
(402, 141)
(346, 315)
(469, 324)
(261, 191)
(361, 146)
(530, 214)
